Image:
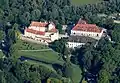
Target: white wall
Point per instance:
(117, 21)
(89, 34)
(74, 44)
(55, 36)
(52, 36)
(47, 34)
(27, 34)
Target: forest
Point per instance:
(102, 62)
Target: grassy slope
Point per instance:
(47, 56)
(76, 74)
(82, 2)
(30, 46)
(52, 58)
(43, 64)
(1, 54)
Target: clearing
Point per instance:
(37, 54)
(24, 45)
(47, 58)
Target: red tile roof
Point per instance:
(43, 24)
(87, 28)
(35, 32)
(38, 24)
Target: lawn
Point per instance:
(1, 54)
(77, 73)
(45, 56)
(43, 64)
(50, 57)
(82, 2)
(23, 45)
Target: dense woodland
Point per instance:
(103, 61)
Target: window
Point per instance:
(97, 35)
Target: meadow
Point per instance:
(83, 2)
(47, 59)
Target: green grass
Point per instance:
(46, 56)
(77, 74)
(43, 64)
(1, 54)
(23, 45)
(82, 2)
(52, 58)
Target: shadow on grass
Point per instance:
(23, 58)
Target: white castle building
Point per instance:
(83, 33)
(84, 29)
(42, 31)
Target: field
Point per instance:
(23, 45)
(82, 2)
(42, 55)
(47, 58)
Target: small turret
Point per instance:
(51, 26)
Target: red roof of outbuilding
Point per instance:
(35, 32)
(87, 28)
(38, 24)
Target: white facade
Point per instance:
(89, 34)
(54, 36)
(117, 21)
(74, 45)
